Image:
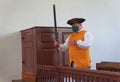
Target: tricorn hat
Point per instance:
(75, 20)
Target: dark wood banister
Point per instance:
(66, 74)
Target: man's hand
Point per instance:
(56, 43)
(72, 43)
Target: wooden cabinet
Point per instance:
(38, 48)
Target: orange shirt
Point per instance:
(80, 56)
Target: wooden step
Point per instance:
(19, 80)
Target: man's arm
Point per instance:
(88, 39)
(64, 47)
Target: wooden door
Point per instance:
(27, 51)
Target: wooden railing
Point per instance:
(66, 74)
(108, 66)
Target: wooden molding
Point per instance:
(28, 77)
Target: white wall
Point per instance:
(102, 19)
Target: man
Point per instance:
(78, 43)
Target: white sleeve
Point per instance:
(88, 39)
(64, 47)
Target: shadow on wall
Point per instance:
(10, 57)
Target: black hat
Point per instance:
(75, 20)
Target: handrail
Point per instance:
(108, 66)
(66, 74)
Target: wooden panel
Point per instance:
(28, 62)
(46, 51)
(27, 51)
(46, 40)
(27, 35)
(28, 77)
(47, 57)
(47, 37)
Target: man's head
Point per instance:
(76, 23)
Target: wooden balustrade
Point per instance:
(66, 74)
